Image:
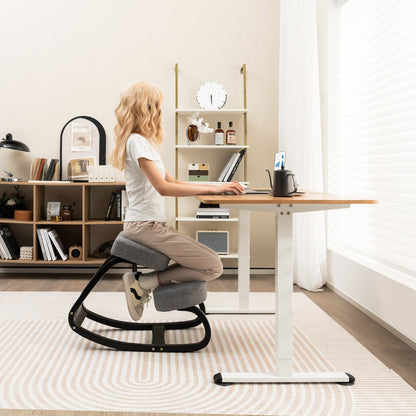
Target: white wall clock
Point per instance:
(211, 96)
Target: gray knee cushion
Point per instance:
(139, 254)
(166, 298)
(179, 295)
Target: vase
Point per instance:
(192, 133)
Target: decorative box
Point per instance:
(198, 172)
(23, 215)
(26, 253)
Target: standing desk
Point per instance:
(283, 209)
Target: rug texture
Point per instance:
(44, 365)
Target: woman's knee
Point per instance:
(215, 270)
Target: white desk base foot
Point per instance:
(330, 377)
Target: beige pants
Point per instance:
(194, 261)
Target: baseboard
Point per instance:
(373, 316)
(62, 270)
(234, 270)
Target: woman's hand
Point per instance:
(233, 187)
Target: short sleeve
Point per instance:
(138, 146)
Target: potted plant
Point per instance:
(11, 202)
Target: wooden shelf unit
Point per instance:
(88, 228)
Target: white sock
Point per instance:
(148, 281)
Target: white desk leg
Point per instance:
(243, 272)
(284, 323)
(243, 260)
(283, 293)
(243, 269)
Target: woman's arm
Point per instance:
(171, 179)
(169, 186)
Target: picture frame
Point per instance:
(78, 168)
(82, 137)
(53, 211)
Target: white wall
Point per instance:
(390, 301)
(62, 59)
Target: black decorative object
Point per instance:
(81, 137)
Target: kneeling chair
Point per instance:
(187, 296)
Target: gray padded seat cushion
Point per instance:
(179, 295)
(139, 254)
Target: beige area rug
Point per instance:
(44, 365)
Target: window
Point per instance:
(372, 131)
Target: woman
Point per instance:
(138, 135)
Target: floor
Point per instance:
(386, 347)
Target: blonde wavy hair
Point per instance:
(138, 112)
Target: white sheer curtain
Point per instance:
(300, 132)
(372, 134)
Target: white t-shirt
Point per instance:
(145, 202)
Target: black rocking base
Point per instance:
(79, 312)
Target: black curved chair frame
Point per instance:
(79, 312)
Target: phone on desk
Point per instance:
(279, 160)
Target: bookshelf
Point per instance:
(204, 151)
(87, 229)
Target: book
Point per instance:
(110, 206)
(213, 213)
(11, 244)
(213, 216)
(229, 176)
(5, 255)
(203, 205)
(49, 245)
(230, 167)
(40, 169)
(124, 204)
(50, 173)
(44, 170)
(57, 242)
(41, 244)
(226, 167)
(118, 205)
(57, 174)
(45, 244)
(34, 168)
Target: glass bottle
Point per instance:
(67, 213)
(219, 134)
(230, 134)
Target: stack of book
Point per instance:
(42, 170)
(51, 244)
(9, 249)
(213, 213)
(231, 166)
(118, 199)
